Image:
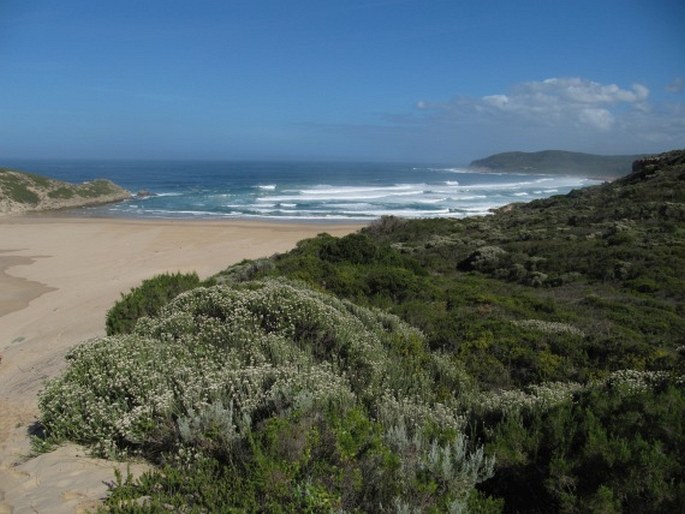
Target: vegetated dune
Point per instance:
(23, 192)
(550, 337)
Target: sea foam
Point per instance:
(306, 191)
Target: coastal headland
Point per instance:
(58, 277)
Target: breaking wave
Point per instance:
(309, 191)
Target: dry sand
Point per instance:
(58, 278)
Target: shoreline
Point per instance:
(16, 292)
(80, 213)
(65, 272)
(310, 194)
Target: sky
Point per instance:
(441, 81)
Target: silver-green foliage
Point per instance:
(211, 351)
(198, 378)
(269, 341)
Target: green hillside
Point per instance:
(527, 361)
(558, 161)
(20, 192)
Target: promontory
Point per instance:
(23, 192)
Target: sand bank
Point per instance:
(58, 278)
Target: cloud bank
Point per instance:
(575, 101)
(569, 112)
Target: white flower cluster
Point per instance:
(633, 381)
(415, 414)
(549, 327)
(216, 356)
(542, 396)
(217, 361)
(550, 394)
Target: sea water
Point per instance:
(303, 191)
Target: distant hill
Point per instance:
(559, 161)
(22, 192)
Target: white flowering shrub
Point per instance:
(536, 396)
(549, 327)
(632, 381)
(262, 370)
(226, 353)
(542, 397)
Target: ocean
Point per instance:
(302, 191)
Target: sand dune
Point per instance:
(58, 277)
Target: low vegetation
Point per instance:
(527, 361)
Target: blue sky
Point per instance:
(403, 80)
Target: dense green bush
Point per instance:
(147, 299)
(618, 446)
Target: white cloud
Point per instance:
(567, 112)
(499, 101)
(563, 102)
(600, 119)
(582, 91)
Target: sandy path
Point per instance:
(58, 277)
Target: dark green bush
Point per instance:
(617, 447)
(354, 248)
(147, 299)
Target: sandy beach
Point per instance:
(58, 277)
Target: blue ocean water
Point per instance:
(304, 191)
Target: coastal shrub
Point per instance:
(95, 188)
(328, 461)
(354, 267)
(147, 299)
(616, 446)
(291, 395)
(544, 274)
(393, 282)
(354, 248)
